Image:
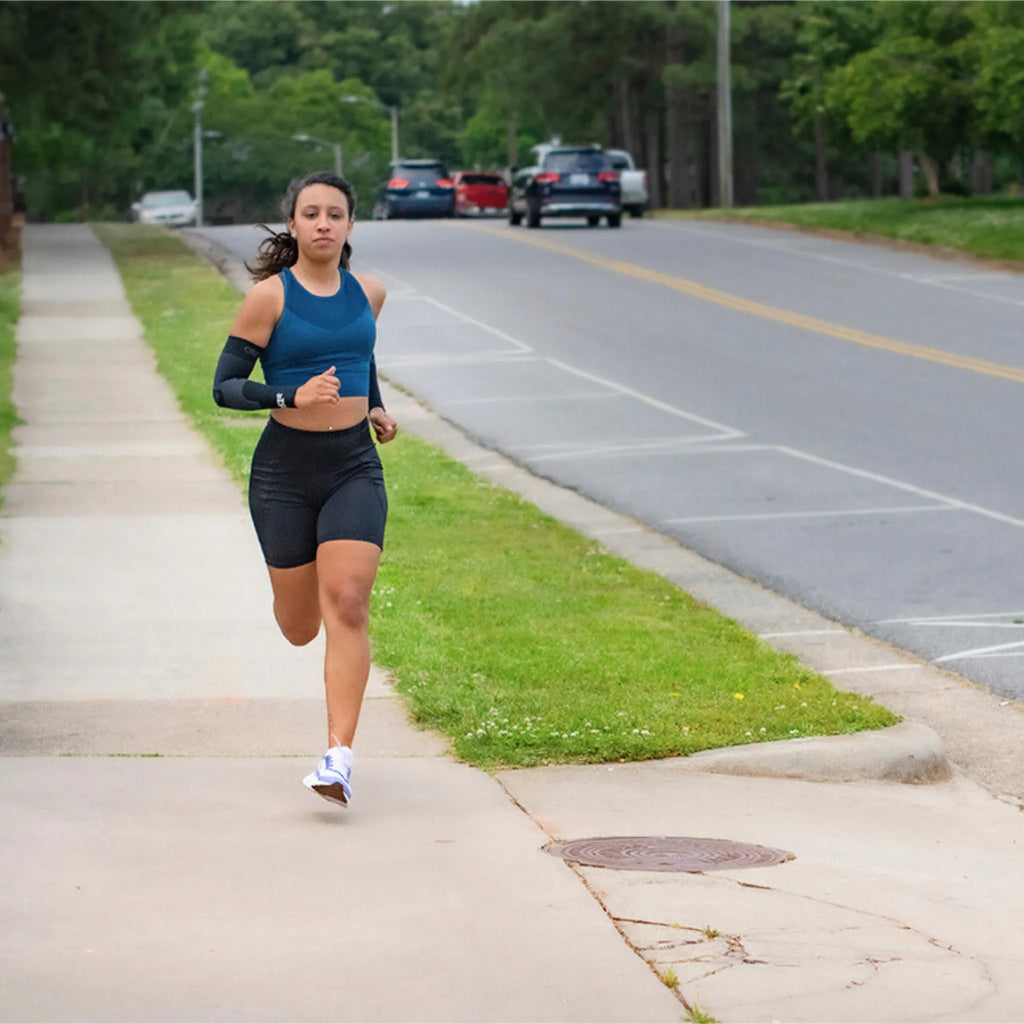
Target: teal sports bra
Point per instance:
(317, 332)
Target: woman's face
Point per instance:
(321, 224)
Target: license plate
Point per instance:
(423, 194)
(579, 179)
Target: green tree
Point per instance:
(992, 51)
(73, 74)
(830, 33)
(911, 90)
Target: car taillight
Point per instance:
(608, 176)
(398, 183)
(546, 177)
(444, 183)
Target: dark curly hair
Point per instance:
(280, 249)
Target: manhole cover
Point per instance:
(666, 853)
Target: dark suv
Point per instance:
(570, 181)
(416, 188)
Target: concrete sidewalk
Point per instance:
(177, 869)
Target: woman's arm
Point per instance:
(250, 332)
(384, 426)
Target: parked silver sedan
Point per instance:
(173, 209)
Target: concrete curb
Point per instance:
(908, 752)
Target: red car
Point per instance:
(479, 194)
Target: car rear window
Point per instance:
(564, 163)
(483, 179)
(166, 199)
(418, 175)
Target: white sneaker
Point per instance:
(332, 776)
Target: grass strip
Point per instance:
(989, 227)
(10, 307)
(521, 640)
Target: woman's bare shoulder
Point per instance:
(374, 288)
(260, 310)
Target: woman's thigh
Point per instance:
(346, 570)
(297, 602)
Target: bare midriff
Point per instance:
(346, 412)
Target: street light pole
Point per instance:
(392, 110)
(197, 144)
(335, 146)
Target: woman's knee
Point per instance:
(296, 603)
(346, 602)
(298, 630)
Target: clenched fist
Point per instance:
(319, 390)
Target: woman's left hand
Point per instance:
(384, 426)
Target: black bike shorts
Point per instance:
(307, 487)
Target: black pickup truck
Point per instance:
(568, 181)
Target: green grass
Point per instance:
(990, 227)
(521, 640)
(10, 304)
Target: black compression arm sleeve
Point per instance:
(232, 388)
(376, 402)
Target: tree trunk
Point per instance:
(652, 148)
(877, 182)
(906, 174)
(931, 174)
(625, 133)
(981, 172)
(677, 124)
(820, 164)
(705, 160)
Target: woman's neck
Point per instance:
(319, 278)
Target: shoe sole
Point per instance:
(335, 792)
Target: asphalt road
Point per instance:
(838, 422)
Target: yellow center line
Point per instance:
(784, 316)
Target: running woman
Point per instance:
(316, 489)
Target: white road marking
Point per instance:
(462, 358)
(802, 632)
(514, 342)
(924, 620)
(978, 652)
(928, 280)
(599, 449)
(861, 670)
(823, 514)
(921, 491)
(565, 397)
(724, 431)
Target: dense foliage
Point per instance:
(830, 99)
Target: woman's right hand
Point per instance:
(319, 390)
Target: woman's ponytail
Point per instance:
(277, 251)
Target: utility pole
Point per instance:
(724, 97)
(197, 143)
